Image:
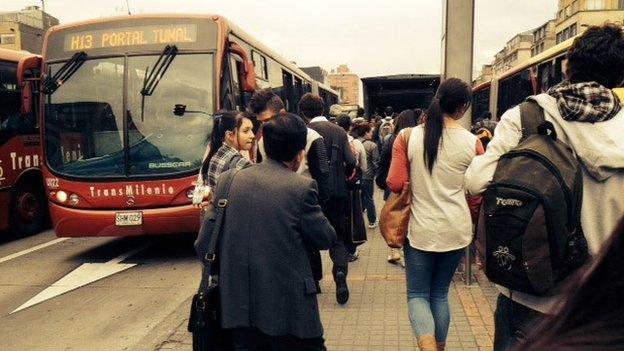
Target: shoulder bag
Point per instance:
(395, 214)
(205, 316)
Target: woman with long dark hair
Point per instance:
(434, 161)
(232, 133)
(405, 119)
(589, 316)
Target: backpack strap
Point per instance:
(531, 116)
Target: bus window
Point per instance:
(287, 91)
(544, 77)
(513, 90)
(10, 102)
(260, 64)
(558, 75)
(298, 90)
(480, 104)
(236, 66)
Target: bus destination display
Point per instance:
(131, 36)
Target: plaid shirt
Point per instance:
(585, 102)
(221, 161)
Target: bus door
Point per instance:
(243, 76)
(237, 93)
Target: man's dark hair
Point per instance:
(265, 99)
(311, 105)
(360, 112)
(344, 122)
(361, 129)
(389, 111)
(597, 56)
(284, 136)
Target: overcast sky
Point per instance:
(372, 37)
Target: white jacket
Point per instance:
(600, 149)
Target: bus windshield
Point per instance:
(85, 131)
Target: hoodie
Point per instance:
(599, 148)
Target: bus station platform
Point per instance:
(375, 317)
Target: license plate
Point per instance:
(128, 218)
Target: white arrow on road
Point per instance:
(86, 274)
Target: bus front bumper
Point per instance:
(73, 222)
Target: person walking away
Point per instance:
(341, 163)
(354, 217)
(405, 119)
(231, 134)
(315, 165)
(267, 292)
(365, 135)
(440, 226)
(587, 116)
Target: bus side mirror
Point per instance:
(26, 98)
(248, 81)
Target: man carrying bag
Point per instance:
(267, 294)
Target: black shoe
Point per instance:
(318, 286)
(342, 291)
(353, 256)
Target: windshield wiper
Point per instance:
(160, 67)
(70, 67)
(153, 78)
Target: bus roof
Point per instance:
(239, 32)
(482, 86)
(14, 55)
(326, 87)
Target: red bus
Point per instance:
(128, 105)
(23, 206)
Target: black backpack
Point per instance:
(529, 233)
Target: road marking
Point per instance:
(32, 249)
(86, 274)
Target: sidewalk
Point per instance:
(375, 318)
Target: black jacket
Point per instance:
(341, 159)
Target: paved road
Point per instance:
(125, 311)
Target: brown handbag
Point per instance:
(395, 214)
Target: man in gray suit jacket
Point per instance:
(268, 293)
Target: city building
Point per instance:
(574, 16)
(347, 83)
(543, 37)
(517, 50)
(25, 29)
(484, 76)
(317, 73)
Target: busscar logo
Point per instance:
(508, 202)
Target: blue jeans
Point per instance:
(368, 189)
(429, 276)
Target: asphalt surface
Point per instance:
(134, 309)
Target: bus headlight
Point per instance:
(61, 196)
(73, 199)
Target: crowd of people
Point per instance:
(305, 182)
